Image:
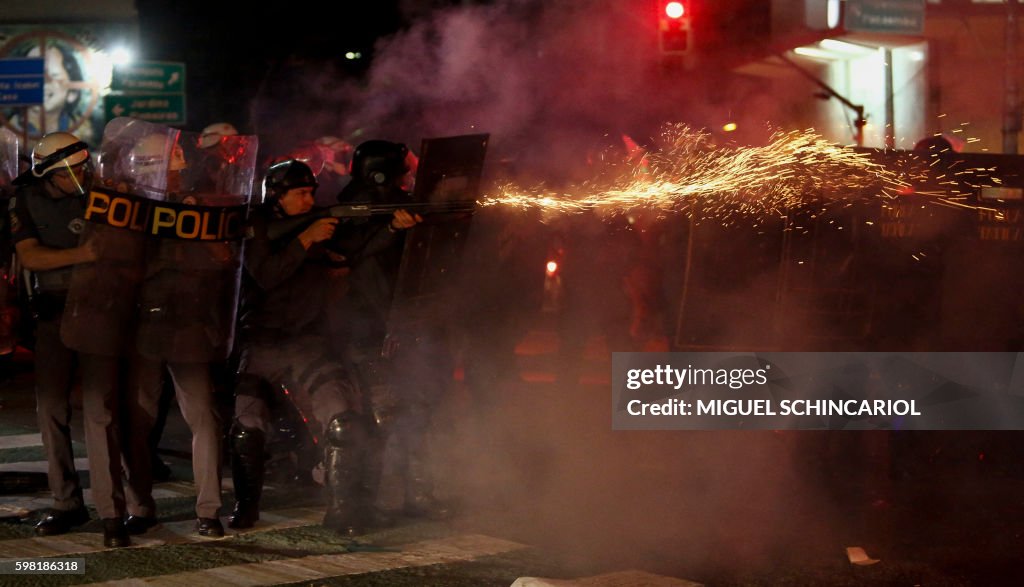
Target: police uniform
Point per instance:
(56, 223)
(178, 308)
(180, 325)
(283, 342)
(194, 391)
(282, 333)
(421, 367)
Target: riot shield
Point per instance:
(189, 294)
(169, 245)
(449, 171)
(102, 305)
(8, 159)
(8, 285)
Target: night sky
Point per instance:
(227, 63)
(548, 80)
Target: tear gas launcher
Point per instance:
(291, 226)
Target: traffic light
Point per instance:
(675, 35)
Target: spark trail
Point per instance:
(794, 168)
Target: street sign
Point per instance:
(21, 82)
(153, 91)
(901, 17)
(166, 109)
(149, 77)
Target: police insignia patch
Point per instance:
(10, 205)
(76, 226)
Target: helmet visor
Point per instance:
(79, 174)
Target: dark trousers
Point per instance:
(318, 386)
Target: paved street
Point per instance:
(545, 488)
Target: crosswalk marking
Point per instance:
(616, 579)
(21, 440)
(20, 505)
(182, 532)
(15, 510)
(420, 554)
(81, 464)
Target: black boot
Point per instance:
(247, 462)
(419, 489)
(348, 513)
(369, 485)
(62, 521)
(115, 535)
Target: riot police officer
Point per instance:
(420, 361)
(283, 341)
(379, 170)
(186, 302)
(46, 219)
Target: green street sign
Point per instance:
(168, 109)
(900, 17)
(149, 77)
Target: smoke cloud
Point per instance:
(547, 80)
(552, 83)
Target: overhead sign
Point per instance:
(21, 82)
(901, 17)
(149, 77)
(166, 109)
(153, 91)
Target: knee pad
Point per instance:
(348, 430)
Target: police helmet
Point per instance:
(287, 175)
(379, 162)
(58, 150)
(934, 145)
(214, 133)
(157, 153)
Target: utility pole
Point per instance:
(890, 103)
(1011, 101)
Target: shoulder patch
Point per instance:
(12, 203)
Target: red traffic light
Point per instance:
(675, 10)
(674, 34)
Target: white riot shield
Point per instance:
(169, 245)
(8, 160)
(190, 292)
(8, 286)
(99, 317)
